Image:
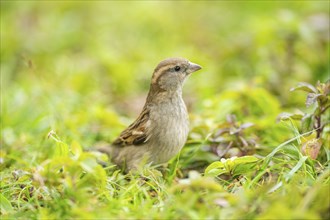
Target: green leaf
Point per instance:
(307, 122)
(296, 168)
(278, 148)
(234, 165)
(245, 159)
(323, 99)
(62, 149)
(214, 165)
(324, 88)
(285, 116)
(244, 168)
(304, 87)
(5, 205)
(88, 164)
(76, 148)
(215, 169)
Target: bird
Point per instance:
(161, 129)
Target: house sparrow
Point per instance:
(161, 129)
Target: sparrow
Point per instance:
(161, 129)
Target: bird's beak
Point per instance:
(193, 67)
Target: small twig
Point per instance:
(225, 151)
(318, 126)
(324, 109)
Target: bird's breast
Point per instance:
(169, 128)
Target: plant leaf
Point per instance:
(323, 99)
(296, 168)
(311, 148)
(246, 125)
(286, 116)
(62, 149)
(304, 87)
(76, 148)
(244, 165)
(324, 88)
(5, 205)
(311, 99)
(215, 169)
(245, 159)
(307, 123)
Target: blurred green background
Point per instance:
(82, 68)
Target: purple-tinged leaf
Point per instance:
(234, 130)
(221, 131)
(231, 118)
(246, 125)
(311, 148)
(311, 99)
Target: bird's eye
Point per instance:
(177, 68)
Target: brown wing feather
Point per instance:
(136, 133)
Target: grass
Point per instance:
(70, 184)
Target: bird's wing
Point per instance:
(136, 133)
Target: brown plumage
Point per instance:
(162, 127)
(136, 133)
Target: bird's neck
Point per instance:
(157, 95)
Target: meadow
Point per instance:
(74, 74)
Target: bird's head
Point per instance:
(170, 74)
